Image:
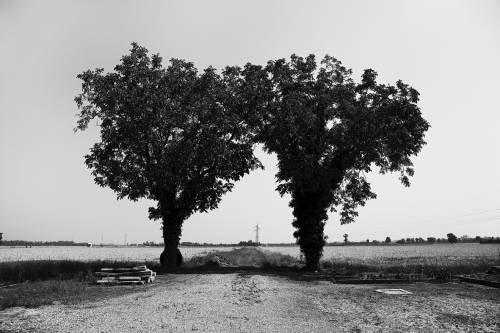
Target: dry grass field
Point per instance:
(364, 253)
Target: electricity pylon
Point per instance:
(257, 234)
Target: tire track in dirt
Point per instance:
(245, 290)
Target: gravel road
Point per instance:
(242, 302)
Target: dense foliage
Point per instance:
(328, 132)
(182, 138)
(451, 238)
(171, 135)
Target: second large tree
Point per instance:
(327, 132)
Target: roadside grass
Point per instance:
(35, 294)
(40, 270)
(439, 268)
(36, 283)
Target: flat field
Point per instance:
(355, 254)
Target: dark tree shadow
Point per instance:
(291, 273)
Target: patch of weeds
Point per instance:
(245, 257)
(41, 270)
(35, 294)
(457, 319)
(438, 268)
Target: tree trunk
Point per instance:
(172, 227)
(310, 212)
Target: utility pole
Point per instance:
(257, 234)
(125, 239)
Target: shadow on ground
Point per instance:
(292, 273)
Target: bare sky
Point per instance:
(448, 50)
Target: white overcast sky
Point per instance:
(448, 50)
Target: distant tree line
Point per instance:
(489, 240)
(40, 243)
(248, 243)
(408, 240)
(450, 238)
(195, 244)
(417, 240)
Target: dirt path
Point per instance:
(264, 303)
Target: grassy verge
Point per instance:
(440, 268)
(36, 283)
(35, 294)
(40, 270)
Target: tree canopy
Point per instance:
(451, 238)
(171, 135)
(329, 131)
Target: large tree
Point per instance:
(451, 238)
(329, 131)
(171, 135)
